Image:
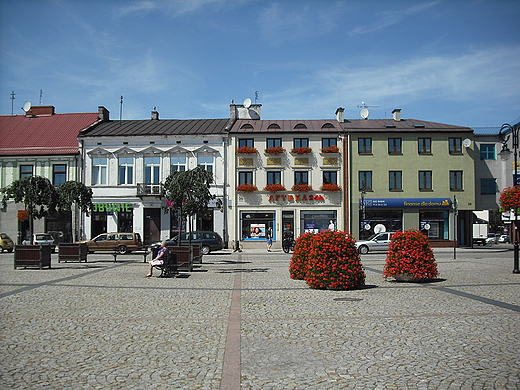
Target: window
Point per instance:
(205, 162)
(273, 142)
(487, 152)
(301, 177)
(330, 177)
(365, 145)
(152, 167)
(424, 145)
(395, 180)
(126, 170)
(488, 186)
(26, 171)
(177, 164)
(395, 145)
(59, 174)
(301, 143)
(274, 177)
(455, 180)
(245, 177)
(425, 180)
(326, 142)
(246, 142)
(365, 180)
(455, 145)
(99, 170)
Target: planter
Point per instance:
(408, 278)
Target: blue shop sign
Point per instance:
(408, 202)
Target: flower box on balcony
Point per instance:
(246, 188)
(274, 187)
(330, 187)
(301, 188)
(305, 150)
(275, 150)
(246, 150)
(330, 149)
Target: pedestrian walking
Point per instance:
(269, 236)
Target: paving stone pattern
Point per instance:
(240, 322)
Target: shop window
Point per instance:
(488, 186)
(125, 221)
(301, 177)
(59, 174)
(301, 143)
(434, 224)
(315, 222)
(365, 145)
(395, 180)
(177, 164)
(376, 220)
(273, 142)
(424, 145)
(487, 152)
(425, 180)
(274, 177)
(206, 162)
(99, 171)
(245, 177)
(254, 225)
(365, 180)
(26, 171)
(395, 146)
(126, 170)
(455, 145)
(330, 177)
(456, 180)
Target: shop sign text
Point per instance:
(295, 198)
(111, 207)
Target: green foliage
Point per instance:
(73, 192)
(37, 193)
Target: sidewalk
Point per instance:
(240, 322)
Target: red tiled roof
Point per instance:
(42, 135)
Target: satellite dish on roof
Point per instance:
(466, 142)
(247, 103)
(27, 106)
(364, 113)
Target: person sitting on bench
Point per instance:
(159, 260)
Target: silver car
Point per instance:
(378, 242)
(42, 239)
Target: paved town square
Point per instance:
(240, 322)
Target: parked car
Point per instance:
(121, 242)
(492, 238)
(377, 242)
(504, 238)
(41, 239)
(6, 243)
(211, 241)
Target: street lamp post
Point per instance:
(506, 131)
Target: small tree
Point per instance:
(72, 194)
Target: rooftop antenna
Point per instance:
(121, 108)
(41, 94)
(364, 113)
(12, 102)
(257, 96)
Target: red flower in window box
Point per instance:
(274, 187)
(301, 188)
(305, 150)
(246, 150)
(410, 257)
(275, 150)
(246, 188)
(330, 149)
(332, 187)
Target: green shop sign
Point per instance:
(110, 207)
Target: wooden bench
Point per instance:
(72, 252)
(169, 268)
(145, 252)
(32, 256)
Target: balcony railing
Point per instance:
(144, 189)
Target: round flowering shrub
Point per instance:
(510, 198)
(300, 257)
(246, 188)
(410, 256)
(274, 187)
(334, 262)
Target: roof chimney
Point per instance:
(155, 115)
(40, 111)
(103, 114)
(396, 114)
(340, 114)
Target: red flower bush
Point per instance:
(246, 150)
(410, 255)
(510, 198)
(304, 150)
(334, 262)
(246, 188)
(274, 187)
(301, 188)
(330, 187)
(275, 150)
(300, 257)
(330, 149)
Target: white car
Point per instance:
(504, 238)
(41, 239)
(491, 238)
(378, 242)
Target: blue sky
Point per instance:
(455, 62)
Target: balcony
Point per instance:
(148, 189)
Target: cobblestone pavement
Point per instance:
(240, 322)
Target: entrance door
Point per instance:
(288, 223)
(152, 226)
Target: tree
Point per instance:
(72, 194)
(188, 192)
